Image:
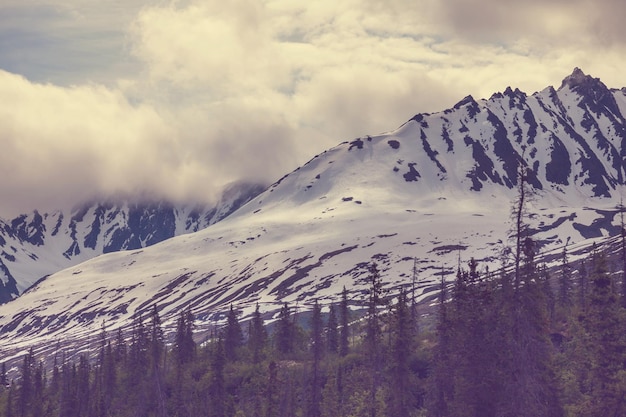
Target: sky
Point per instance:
(178, 99)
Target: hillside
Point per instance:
(436, 190)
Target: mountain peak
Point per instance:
(578, 79)
(466, 100)
(595, 94)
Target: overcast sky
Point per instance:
(176, 99)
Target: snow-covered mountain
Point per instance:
(35, 245)
(416, 201)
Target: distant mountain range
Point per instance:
(35, 245)
(418, 201)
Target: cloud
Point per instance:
(549, 24)
(177, 99)
(61, 143)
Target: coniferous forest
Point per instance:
(494, 344)
(524, 341)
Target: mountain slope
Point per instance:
(436, 190)
(36, 245)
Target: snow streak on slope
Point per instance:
(435, 190)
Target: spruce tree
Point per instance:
(184, 345)
(442, 385)
(565, 282)
(317, 349)
(139, 347)
(373, 334)
(532, 387)
(157, 343)
(37, 403)
(26, 384)
(332, 331)
(582, 286)
(157, 352)
(548, 292)
(83, 388)
(519, 214)
(605, 323)
(623, 252)
(400, 387)
(3, 376)
(233, 336)
(257, 337)
(344, 317)
(217, 390)
(285, 331)
(469, 350)
(121, 349)
(272, 391)
(8, 409)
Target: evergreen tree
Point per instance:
(317, 349)
(8, 409)
(519, 213)
(157, 351)
(109, 378)
(623, 252)
(157, 343)
(233, 336)
(257, 337)
(68, 396)
(139, 347)
(442, 386)
(82, 387)
(400, 387)
(604, 324)
(272, 391)
(26, 384)
(217, 391)
(4, 382)
(565, 282)
(38, 395)
(532, 388)
(344, 317)
(373, 335)
(285, 331)
(184, 345)
(332, 331)
(469, 348)
(121, 348)
(582, 286)
(548, 293)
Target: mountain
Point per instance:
(33, 246)
(418, 201)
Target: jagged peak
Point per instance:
(578, 79)
(466, 100)
(509, 92)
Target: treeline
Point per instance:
(318, 366)
(513, 343)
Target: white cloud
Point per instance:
(187, 96)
